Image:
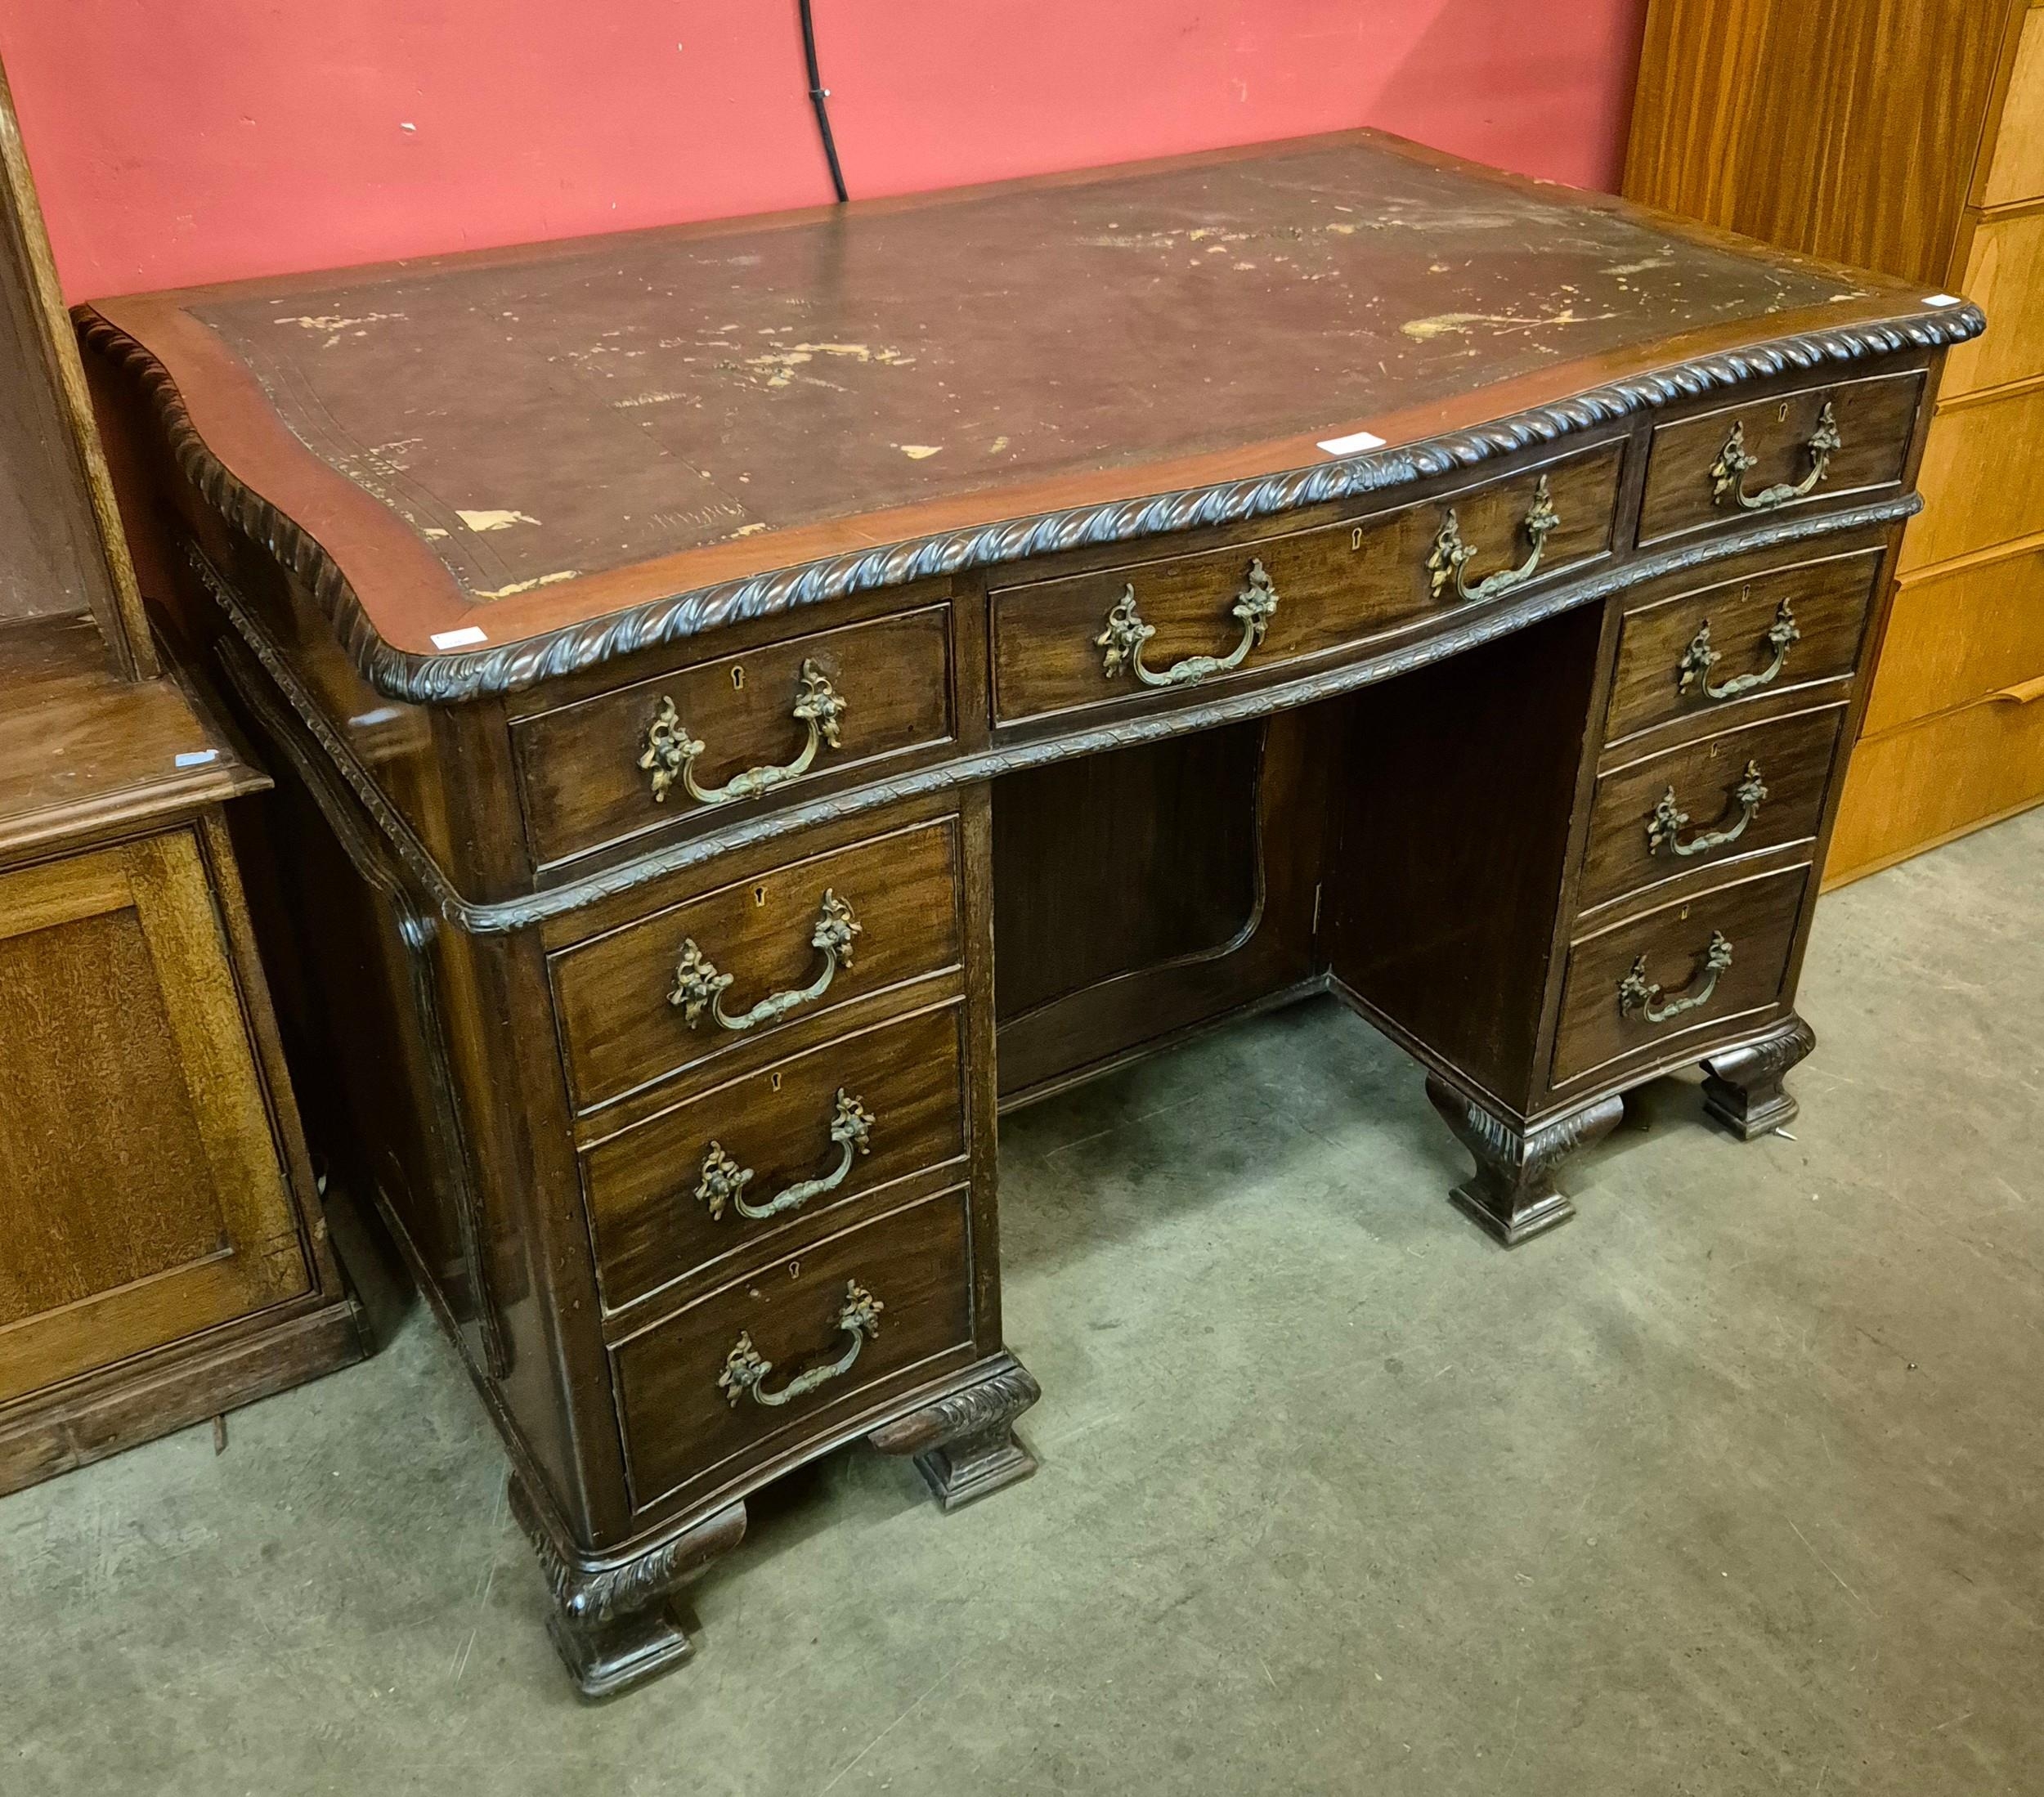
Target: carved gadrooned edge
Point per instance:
(449, 680)
(503, 916)
(600, 1593)
(993, 1402)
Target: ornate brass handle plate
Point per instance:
(1638, 994)
(1664, 827)
(671, 753)
(1735, 462)
(1126, 633)
(699, 986)
(1449, 560)
(1700, 657)
(744, 1373)
(724, 1180)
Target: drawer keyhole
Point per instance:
(774, 1080)
(737, 679)
(1355, 538)
(1782, 416)
(759, 895)
(795, 1270)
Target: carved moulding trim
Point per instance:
(593, 1591)
(1226, 706)
(448, 679)
(994, 1402)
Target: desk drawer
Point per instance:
(2016, 171)
(1133, 630)
(1981, 478)
(835, 1324)
(757, 961)
(1647, 985)
(2005, 277)
(604, 770)
(1958, 635)
(1765, 456)
(1759, 787)
(1664, 669)
(797, 1141)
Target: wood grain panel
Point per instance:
(61, 546)
(1982, 477)
(578, 766)
(650, 1226)
(619, 1030)
(1343, 584)
(143, 1196)
(1875, 419)
(2004, 274)
(1958, 634)
(1845, 129)
(1911, 789)
(1758, 916)
(2015, 171)
(1829, 600)
(678, 1424)
(1794, 756)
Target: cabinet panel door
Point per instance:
(141, 1194)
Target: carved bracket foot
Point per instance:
(964, 1445)
(611, 1622)
(1742, 1088)
(1513, 1194)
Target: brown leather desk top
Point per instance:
(496, 447)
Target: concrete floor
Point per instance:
(1733, 1484)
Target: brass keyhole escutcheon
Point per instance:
(795, 1270)
(737, 679)
(774, 1080)
(759, 895)
(1355, 538)
(1782, 416)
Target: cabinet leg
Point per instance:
(964, 1445)
(1513, 1194)
(612, 1622)
(1742, 1088)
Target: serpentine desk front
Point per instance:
(752, 699)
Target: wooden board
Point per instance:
(1846, 128)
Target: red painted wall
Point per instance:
(184, 141)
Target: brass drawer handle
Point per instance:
(670, 752)
(1636, 993)
(1734, 462)
(1665, 828)
(1699, 658)
(698, 987)
(1126, 633)
(1450, 558)
(744, 1373)
(724, 1180)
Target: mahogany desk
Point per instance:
(688, 655)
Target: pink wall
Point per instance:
(207, 139)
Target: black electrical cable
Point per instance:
(819, 98)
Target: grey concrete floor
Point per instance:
(1733, 1484)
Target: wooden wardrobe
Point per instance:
(1907, 136)
(163, 1255)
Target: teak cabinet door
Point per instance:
(141, 1196)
